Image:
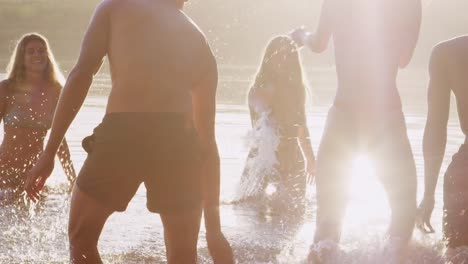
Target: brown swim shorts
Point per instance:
(161, 150)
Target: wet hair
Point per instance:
(288, 83)
(16, 70)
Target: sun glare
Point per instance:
(362, 167)
(367, 197)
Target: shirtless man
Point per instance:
(158, 129)
(448, 68)
(372, 40)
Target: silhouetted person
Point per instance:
(281, 153)
(372, 39)
(158, 129)
(28, 97)
(448, 73)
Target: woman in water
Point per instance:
(281, 154)
(28, 97)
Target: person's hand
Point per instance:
(298, 36)
(310, 171)
(38, 175)
(423, 217)
(219, 248)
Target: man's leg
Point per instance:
(397, 171)
(181, 235)
(332, 197)
(332, 184)
(87, 218)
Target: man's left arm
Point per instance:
(410, 15)
(93, 50)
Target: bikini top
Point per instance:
(20, 113)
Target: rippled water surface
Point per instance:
(37, 234)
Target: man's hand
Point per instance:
(38, 175)
(219, 248)
(298, 36)
(423, 218)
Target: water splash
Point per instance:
(261, 163)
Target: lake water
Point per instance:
(39, 234)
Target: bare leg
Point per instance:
(332, 179)
(87, 218)
(181, 235)
(397, 171)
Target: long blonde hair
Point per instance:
(16, 70)
(288, 83)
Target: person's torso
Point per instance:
(366, 36)
(30, 107)
(156, 55)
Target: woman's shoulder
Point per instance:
(54, 89)
(5, 86)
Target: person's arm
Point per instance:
(318, 41)
(204, 112)
(64, 157)
(435, 132)
(93, 50)
(410, 14)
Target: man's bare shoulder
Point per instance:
(451, 48)
(106, 4)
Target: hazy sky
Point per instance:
(237, 29)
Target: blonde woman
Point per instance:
(28, 97)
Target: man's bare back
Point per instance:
(156, 55)
(372, 39)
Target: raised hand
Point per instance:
(298, 36)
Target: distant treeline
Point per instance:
(237, 30)
(63, 22)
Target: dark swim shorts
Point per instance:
(159, 149)
(456, 200)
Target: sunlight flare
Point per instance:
(367, 196)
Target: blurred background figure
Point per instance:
(447, 68)
(28, 97)
(281, 154)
